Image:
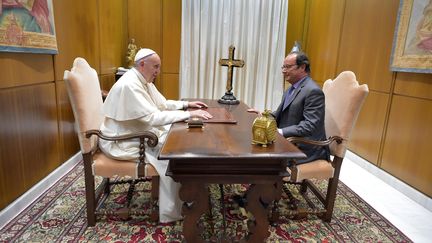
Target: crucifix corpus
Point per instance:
(229, 98)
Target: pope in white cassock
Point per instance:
(133, 105)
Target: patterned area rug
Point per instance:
(59, 216)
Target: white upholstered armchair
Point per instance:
(84, 92)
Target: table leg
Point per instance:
(259, 198)
(196, 203)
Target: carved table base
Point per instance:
(196, 198)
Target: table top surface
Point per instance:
(224, 140)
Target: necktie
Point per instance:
(288, 96)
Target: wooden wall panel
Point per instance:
(113, 35)
(414, 84)
(171, 86)
(171, 33)
(297, 24)
(323, 37)
(69, 144)
(29, 143)
(3, 188)
(146, 28)
(160, 30)
(40, 139)
(106, 81)
(366, 41)
(145, 23)
(12, 181)
(77, 33)
(17, 69)
(367, 134)
(406, 152)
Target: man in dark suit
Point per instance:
(301, 112)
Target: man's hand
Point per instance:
(201, 114)
(197, 104)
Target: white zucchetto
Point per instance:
(144, 52)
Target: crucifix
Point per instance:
(229, 98)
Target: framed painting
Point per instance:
(27, 26)
(412, 44)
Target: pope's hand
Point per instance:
(197, 104)
(201, 114)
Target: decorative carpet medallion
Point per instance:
(59, 215)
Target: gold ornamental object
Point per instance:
(264, 129)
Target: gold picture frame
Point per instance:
(412, 44)
(27, 26)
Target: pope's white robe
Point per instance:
(134, 105)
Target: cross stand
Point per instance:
(229, 97)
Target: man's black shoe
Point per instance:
(240, 200)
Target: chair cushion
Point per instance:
(107, 167)
(318, 169)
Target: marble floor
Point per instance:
(388, 196)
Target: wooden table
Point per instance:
(223, 154)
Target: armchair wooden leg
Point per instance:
(154, 216)
(330, 199)
(107, 188)
(125, 212)
(90, 191)
(332, 189)
(221, 189)
(303, 187)
(292, 201)
(155, 187)
(274, 217)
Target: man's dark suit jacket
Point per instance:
(304, 117)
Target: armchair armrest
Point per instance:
(296, 140)
(152, 139)
(331, 139)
